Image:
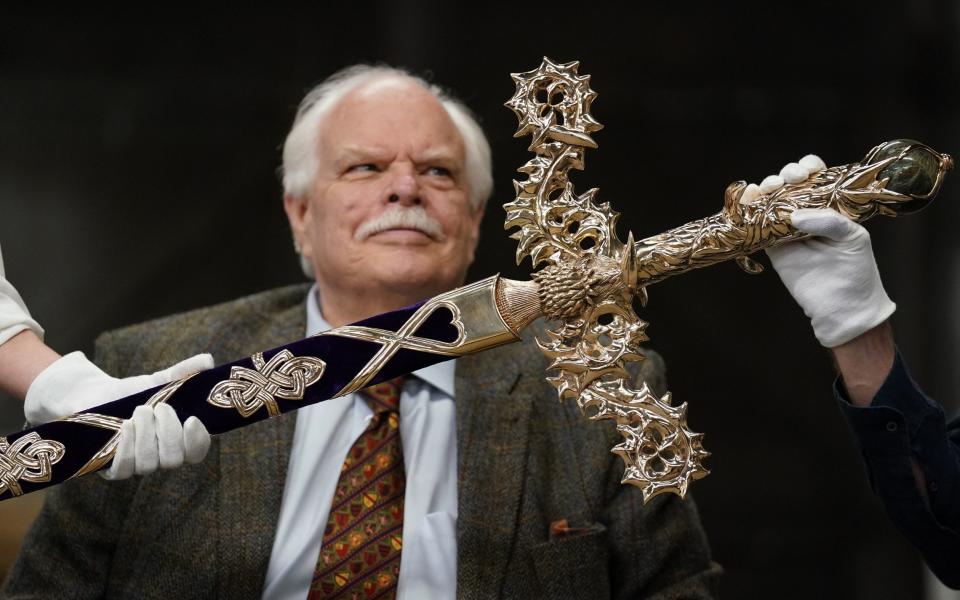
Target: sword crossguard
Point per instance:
(589, 283)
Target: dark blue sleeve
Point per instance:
(902, 423)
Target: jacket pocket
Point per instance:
(574, 565)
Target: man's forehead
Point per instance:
(384, 116)
(376, 148)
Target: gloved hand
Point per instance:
(153, 438)
(832, 276)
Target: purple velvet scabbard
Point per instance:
(245, 391)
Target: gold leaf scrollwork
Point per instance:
(661, 454)
(588, 284)
(284, 376)
(591, 278)
(894, 178)
(28, 458)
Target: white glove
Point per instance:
(14, 316)
(152, 438)
(833, 276)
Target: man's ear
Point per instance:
(298, 214)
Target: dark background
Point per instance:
(137, 178)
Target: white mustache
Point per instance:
(395, 217)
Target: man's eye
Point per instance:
(439, 171)
(362, 168)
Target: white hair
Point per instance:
(300, 160)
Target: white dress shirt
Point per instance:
(324, 434)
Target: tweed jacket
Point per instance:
(525, 461)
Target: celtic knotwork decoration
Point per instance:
(284, 376)
(392, 342)
(28, 458)
(589, 283)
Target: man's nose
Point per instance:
(404, 188)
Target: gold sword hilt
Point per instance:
(895, 178)
(591, 277)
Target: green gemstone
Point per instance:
(913, 175)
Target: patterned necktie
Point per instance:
(360, 552)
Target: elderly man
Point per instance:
(489, 487)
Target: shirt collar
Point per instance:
(440, 375)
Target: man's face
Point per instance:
(389, 208)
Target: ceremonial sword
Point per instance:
(586, 289)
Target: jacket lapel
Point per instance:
(493, 411)
(253, 471)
